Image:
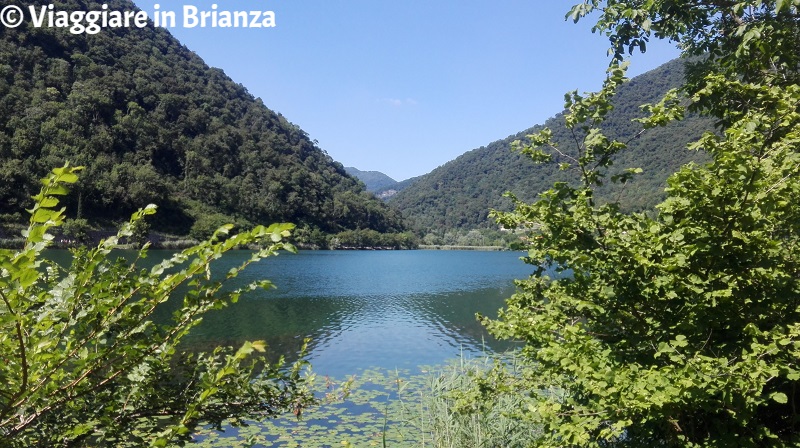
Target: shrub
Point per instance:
(83, 363)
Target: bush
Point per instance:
(680, 328)
(83, 363)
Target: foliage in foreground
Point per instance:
(680, 329)
(83, 363)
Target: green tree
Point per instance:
(78, 230)
(84, 364)
(679, 328)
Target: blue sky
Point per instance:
(404, 86)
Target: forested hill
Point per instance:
(153, 123)
(380, 184)
(373, 180)
(459, 194)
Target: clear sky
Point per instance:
(404, 86)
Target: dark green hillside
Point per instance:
(153, 123)
(459, 194)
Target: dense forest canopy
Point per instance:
(459, 194)
(153, 123)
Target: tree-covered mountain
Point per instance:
(380, 184)
(459, 194)
(373, 180)
(153, 123)
(387, 192)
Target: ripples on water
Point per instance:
(369, 308)
(363, 309)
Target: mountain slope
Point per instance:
(387, 192)
(380, 184)
(373, 180)
(459, 194)
(153, 123)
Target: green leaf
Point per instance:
(780, 397)
(259, 346)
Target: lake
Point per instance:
(379, 318)
(365, 309)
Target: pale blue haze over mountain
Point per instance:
(373, 180)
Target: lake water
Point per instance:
(374, 316)
(362, 309)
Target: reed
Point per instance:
(457, 408)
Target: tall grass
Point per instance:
(471, 403)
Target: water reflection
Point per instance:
(364, 309)
(370, 309)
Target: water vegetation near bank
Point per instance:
(433, 406)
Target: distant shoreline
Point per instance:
(160, 241)
(454, 247)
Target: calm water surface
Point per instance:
(362, 309)
(390, 309)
